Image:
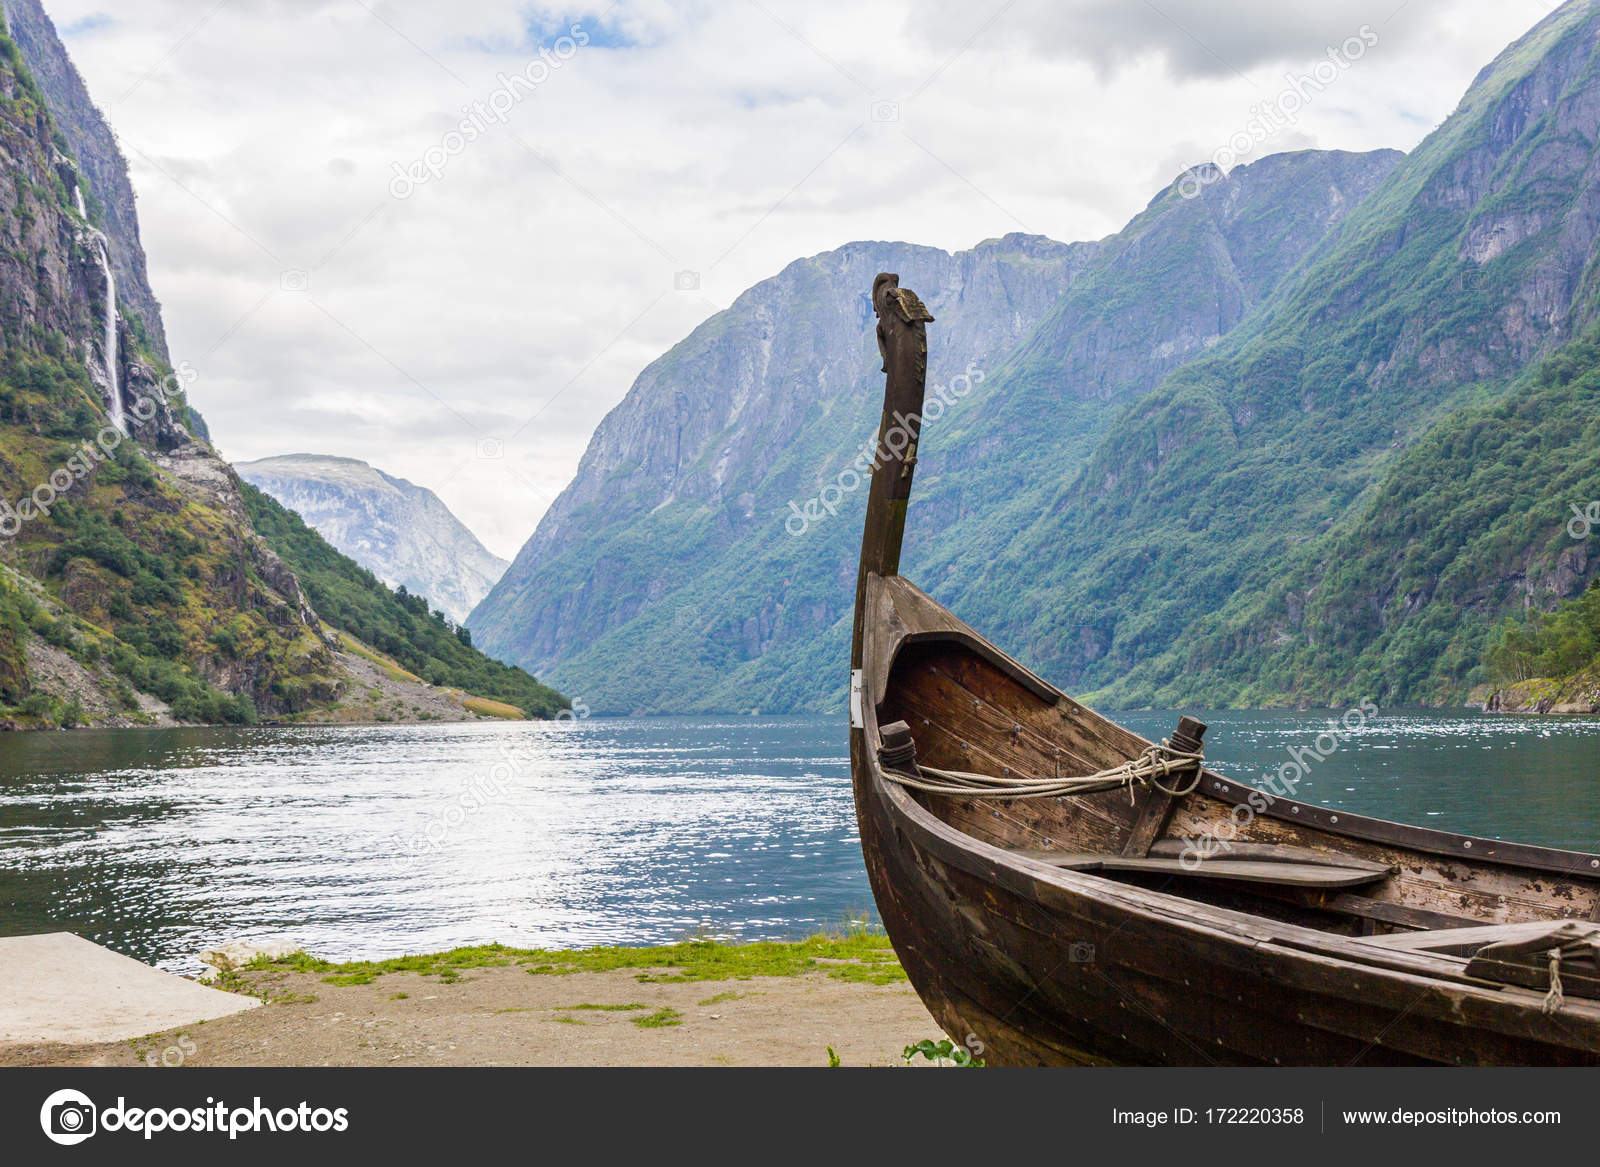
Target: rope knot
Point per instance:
(1555, 998)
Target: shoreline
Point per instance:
(696, 1003)
(474, 718)
(1575, 696)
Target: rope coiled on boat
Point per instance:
(1148, 769)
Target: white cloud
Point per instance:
(1194, 38)
(534, 277)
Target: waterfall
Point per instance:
(109, 340)
(109, 343)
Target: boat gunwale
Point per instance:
(1240, 929)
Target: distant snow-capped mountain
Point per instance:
(397, 530)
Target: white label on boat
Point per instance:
(857, 719)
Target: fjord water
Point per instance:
(369, 842)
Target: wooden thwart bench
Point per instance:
(1528, 955)
(1463, 941)
(1261, 852)
(1283, 871)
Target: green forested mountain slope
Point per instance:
(1250, 531)
(113, 571)
(1396, 603)
(401, 625)
(1547, 663)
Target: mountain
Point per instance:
(399, 531)
(88, 138)
(1340, 500)
(412, 642)
(134, 587)
(704, 555)
(1304, 439)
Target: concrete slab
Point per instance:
(61, 987)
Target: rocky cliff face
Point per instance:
(130, 580)
(720, 408)
(397, 530)
(52, 297)
(89, 140)
(703, 557)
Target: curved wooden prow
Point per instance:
(903, 342)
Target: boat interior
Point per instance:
(1488, 910)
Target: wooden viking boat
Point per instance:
(1062, 891)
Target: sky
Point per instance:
(444, 238)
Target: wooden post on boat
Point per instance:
(1156, 812)
(903, 343)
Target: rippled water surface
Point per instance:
(1528, 779)
(360, 842)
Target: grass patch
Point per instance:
(601, 1008)
(445, 966)
(487, 708)
(230, 981)
(660, 1019)
(862, 956)
(721, 997)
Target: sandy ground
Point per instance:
(503, 1016)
